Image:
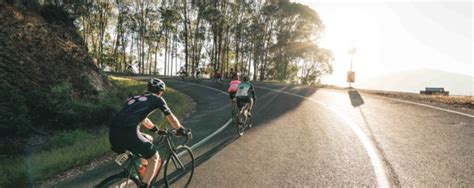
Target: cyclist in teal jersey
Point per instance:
(245, 89)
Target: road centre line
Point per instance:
(369, 146)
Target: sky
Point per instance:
(394, 36)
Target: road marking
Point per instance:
(405, 101)
(211, 88)
(369, 146)
(204, 140)
(425, 105)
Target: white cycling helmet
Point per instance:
(155, 85)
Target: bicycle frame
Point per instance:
(131, 169)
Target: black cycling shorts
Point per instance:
(232, 95)
(131, 139)
(241, 101)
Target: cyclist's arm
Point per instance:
(173, 121)
(170, 117)
(252, 89)
(148, 124)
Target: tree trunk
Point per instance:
(166, 53)
(185, 34)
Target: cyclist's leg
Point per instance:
(250, 106)
(146, 149)
(152, 168)
(240, 102)
(150, 139)
(248, 103)
(231, 96)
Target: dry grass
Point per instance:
(463, 102)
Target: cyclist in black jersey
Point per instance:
(125, 132)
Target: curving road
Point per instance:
(308, 137)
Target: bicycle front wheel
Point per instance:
(120, 180)
(179, 167)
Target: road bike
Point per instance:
(183, 75)
(178, 164)
(243, 119)
(234, 109)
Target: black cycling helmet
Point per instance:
(155, 85)
(245, 78)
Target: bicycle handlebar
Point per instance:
(172, 133)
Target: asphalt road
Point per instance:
(320, 137)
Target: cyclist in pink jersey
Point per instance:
(233, 86)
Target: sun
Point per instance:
(351, 28)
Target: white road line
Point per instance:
(369, 146)
(425, 105)
(204, 140)
(408, 102)
(225, 93)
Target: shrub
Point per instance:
(14, 117)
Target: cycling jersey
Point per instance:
(124, 132)
(243, 90)
(137, 108)
(233, 86)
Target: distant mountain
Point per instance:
(416, 80)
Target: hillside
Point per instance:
(416, 80)
(36, 53)
(45, 70)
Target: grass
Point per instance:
(68, 149)
(465, 102)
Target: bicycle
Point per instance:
(234, 109)
(244, 121)
(181, 157)
(183, 75)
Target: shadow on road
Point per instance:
(356, 99)
(201, 159)
(269, 106)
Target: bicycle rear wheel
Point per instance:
(120, 180)
(179, 167)
(249, 122)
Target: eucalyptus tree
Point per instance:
(266, 39)
(296, 24)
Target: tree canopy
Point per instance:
(267, 40)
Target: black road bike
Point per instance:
(242, 118)
(178, 164)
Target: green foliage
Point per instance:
(58, 109)
(13, 112)
(63, 151)
(71, 148)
